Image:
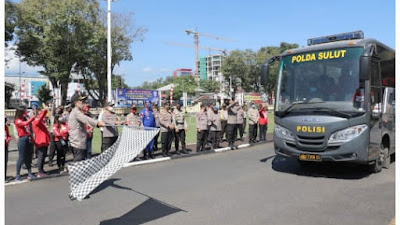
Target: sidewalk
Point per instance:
(54, 172)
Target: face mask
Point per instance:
(313, 89)
(61, 120)
(253, 106)
(111, 109)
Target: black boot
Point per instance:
(151, 155)
(231, 146)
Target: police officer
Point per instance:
(132, 118)
(167, 129)
(254, 116)
(77, 122)
(157, 120)
(202, 129)
(180, 129)
(110, 132)
(215, 128)
(224, 120)
(231, 129)
(148, 121)
(241, 121)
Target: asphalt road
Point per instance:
(246, 186)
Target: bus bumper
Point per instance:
(355, 151)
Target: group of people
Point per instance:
(213, 123)
(73, 125)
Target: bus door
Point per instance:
(388, 115)
(375, 101)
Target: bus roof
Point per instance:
(334, 45)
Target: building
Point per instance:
(26, 87)
(210, 67)
(182, 72)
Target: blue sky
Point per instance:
(252, 24)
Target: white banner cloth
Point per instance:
(86, 175)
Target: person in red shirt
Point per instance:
(263, 122)
(25, 146)
(42, 138)
(60, 131)
(6, 142)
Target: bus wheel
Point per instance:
(386, 158)
(377, 165)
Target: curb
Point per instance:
(145, 162)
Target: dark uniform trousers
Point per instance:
(155, 147)
(215, 138)
(263, 132)
(231, 131)
(201, 140)
(253, 132)
(107, 142)
(241, 128)
(224, 123)
(79, 154)
(166, 139)
(180, 135)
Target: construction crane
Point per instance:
(223, 51)
(196, 45)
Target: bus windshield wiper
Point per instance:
(288, 109)
(331, 110)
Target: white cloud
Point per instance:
(147, 69)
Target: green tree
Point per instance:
(210, 85)
(10, 20)
(94, 67)
(9, 88)
(118, 82)
(184, 84)
(44, 94)
(56, 35)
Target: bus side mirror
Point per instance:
(265, 74)
(365, 67)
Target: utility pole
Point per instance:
(109, 50)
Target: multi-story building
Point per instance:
(210, 67)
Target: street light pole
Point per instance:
(109, 51)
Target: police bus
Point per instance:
(335, 101)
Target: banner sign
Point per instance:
(127, 97)
(253, 97)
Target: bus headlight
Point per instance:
(284, 133)
(347, 134)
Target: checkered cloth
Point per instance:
(86, 175)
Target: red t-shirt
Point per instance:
(42, 134)
(22, 126)
(61, 132)
(263, 117)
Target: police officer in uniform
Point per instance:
(254, 116)
(215, 128)
(180, 129)
(167, 129)
(241, 122)
(148, 121)
(132, 118)
(202, 128)
(231, 129)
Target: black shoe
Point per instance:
(168, 154)
(184, 151)
(151, 155)
(177, 152)
(232, 147)
(219, 146)
(164, 155)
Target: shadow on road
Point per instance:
(109, 183)
(149, 210)
(325, 169)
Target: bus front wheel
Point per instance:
(382, 161)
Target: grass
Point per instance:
(191, 135)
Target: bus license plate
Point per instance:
(310, 157)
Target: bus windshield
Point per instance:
(321, 82)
